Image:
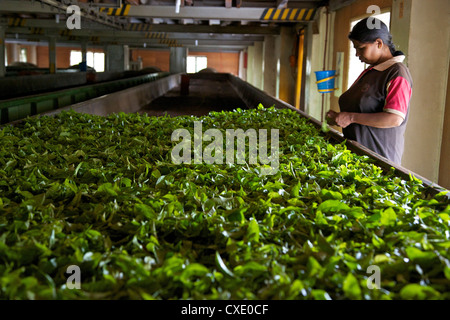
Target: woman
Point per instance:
(374, 110)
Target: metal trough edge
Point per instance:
(252, 96)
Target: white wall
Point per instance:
(429, 46)
(313, 105)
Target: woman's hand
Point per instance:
(344, 119)
(376, 120)
(331, 116)
(341, 119)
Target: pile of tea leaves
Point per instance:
(96, 208)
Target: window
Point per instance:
(196, 63)
(355, 65)
(95, 60)
(23, 55)
(75, 57)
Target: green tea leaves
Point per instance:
(388, 217)
(221, 265)
(417, 292)
(333, 206)
(253, 231)
(351, 287)
(103, 194)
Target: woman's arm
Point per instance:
(376, 120)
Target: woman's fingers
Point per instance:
(344, 119)
(331, 117)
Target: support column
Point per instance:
(423, 148)
(250, 64)
(2, 52)
(52, 54)
(300, 61)
(83, 66)
(308, 54)
(15, 52)
(115, 58)
(32, 55)
(271, 58)
(126, 57)
(243, 65)
(178, 59)
(287, 74)
(258, 65)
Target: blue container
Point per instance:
(325, 80)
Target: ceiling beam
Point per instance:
(142, 27)
(168, 12)
(76, 36)
(201, 46)
(196, 13)
(215, 13)
(133, 34)
(55, 7)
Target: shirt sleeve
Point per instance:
(398, 96)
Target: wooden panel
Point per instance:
(153, 58)
(223, 62)
(62, 56)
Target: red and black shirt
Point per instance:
(386, 87)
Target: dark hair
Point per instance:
(363, 33)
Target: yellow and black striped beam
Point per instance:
(37, 30)
(290, 14)
(138, 27)
(170, 42)
(122, 11)
(156, 35)
(16, 22)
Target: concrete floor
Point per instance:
(204, 95)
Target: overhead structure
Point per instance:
(209, 24)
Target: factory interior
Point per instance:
(198, 58)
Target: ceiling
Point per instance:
(213, 25)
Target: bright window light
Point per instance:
(99, 62)
(196, 63)
(23, 55)
(75, 57)
(95, 60)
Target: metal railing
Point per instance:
(20, 108)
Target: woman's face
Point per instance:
(368, 53)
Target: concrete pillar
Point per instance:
(307, 68)
(316, 99)
(83, 56)
(15, 52)
(271, 59)
(444, 169)
(52, 54)
(287, 79)
(250, 65)
(243, 65)
(32, 54)
(115, 58)
(2, 52)
(178, 60)
(400, 25)
(258, 65)
(425, 131)
(126, 57)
